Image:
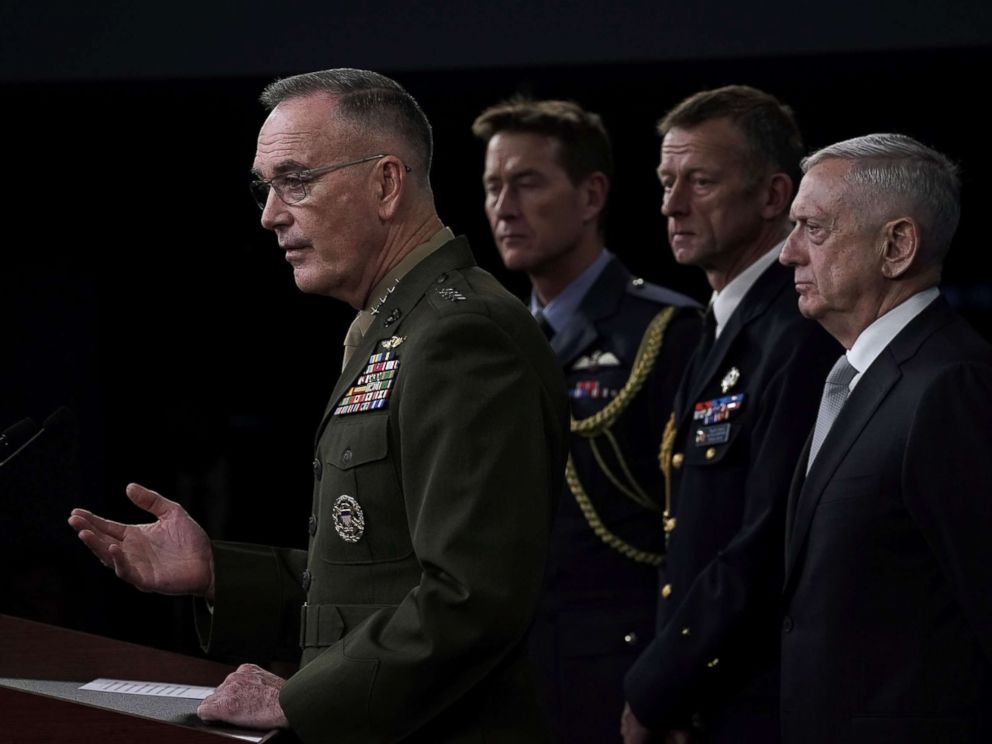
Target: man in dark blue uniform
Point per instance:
(729, 166)
(623, 345)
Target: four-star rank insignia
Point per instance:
(450, 294)
(372, 388)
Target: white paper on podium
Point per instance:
(157, 689)
(160, 689)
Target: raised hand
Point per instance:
(171, 555)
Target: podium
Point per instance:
(48, 658)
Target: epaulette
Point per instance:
(637, 287)
(450, 293)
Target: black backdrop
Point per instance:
(137, 288)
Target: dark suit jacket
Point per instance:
(416, 631)
(716, 651)
(598, 608)
(888, 631)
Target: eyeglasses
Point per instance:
(292, 187)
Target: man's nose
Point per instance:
(791, 254)
(674, 201)
(506, 204)
(274, 213)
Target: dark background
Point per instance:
(137, 288)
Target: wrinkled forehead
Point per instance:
(827, 181)
(299, 132)
(717, 142)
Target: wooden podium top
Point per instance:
(35, 651)
(39, 651)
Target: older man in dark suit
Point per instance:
(888, 629)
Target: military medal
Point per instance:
(730, 379)
(348, 518)
(712, 417)
(374, 385)
(590, 389)
(714, 411)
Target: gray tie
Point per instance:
(835, 392)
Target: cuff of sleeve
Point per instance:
(247, 606)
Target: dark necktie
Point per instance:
(835, 392)
(544, 325)
(708, 336)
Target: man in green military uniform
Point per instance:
(437, 463)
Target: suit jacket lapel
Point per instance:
(857, 411)
(795, 486)
(871, 390)
(411, 288)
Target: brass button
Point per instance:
(346, 456)
(711, 453)
(638, 282)
(442, 279)
(686, 631)
(630, 639)
(312, 525)
(677, 459)
(666, 591)
(711, 664)
(317, 468)
(670, 524)
(305, 582)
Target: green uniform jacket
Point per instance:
(415, 631)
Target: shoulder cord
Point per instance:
(665, 463)
(600, 423)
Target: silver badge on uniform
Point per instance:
(391, 343)
(730, 379)
(349, 520)
(597, 359)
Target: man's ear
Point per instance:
(778, 192)
(595, 190)
(900, 246)
(390, 183)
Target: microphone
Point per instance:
(15, 437)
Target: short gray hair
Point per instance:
(373, 102)
(911, 174)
